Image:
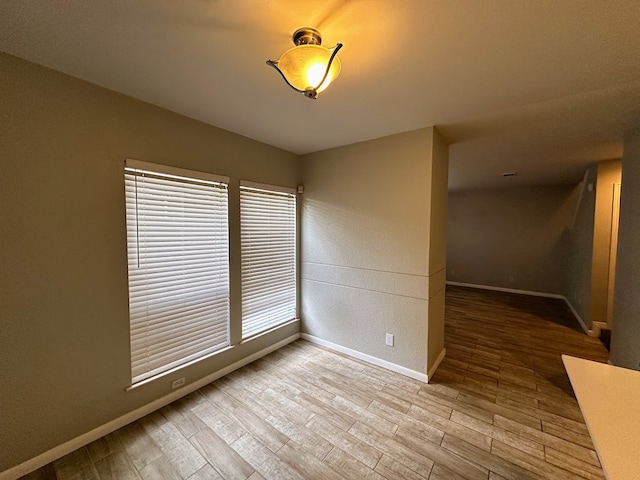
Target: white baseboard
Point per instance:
(433, 369)
(407, 372)
(508, 290)
(597, 327)
(86, 438)
(591, 333)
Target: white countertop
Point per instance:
(609, 398)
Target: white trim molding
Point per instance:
(267, 187)
(86, 438)
(508, 290)
(407, 372)
(175, 171)
(433, 369)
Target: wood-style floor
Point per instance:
(499, 407)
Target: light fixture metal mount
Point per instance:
(307, 36)
(308, 67)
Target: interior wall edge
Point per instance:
(436, 364)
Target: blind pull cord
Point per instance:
(137, 224)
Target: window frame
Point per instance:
(290, 193)
(181, 176)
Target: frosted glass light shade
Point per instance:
(304, 66)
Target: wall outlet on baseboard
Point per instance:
(388, 339)
(511, 279)
(179, 382)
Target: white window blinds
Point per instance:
(268, 248)
(178, 253)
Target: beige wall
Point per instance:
(625, 336)
(609, 173)
(365, 246)
(510, 237)
(437, 249)
(64, 332)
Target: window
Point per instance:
(178, 263)
(268, 249)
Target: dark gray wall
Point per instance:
(519, 233)
(577, 276)
(625, 341)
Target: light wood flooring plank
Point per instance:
(426, 430)
(491, 462)
(465, 468)
(206, 473)
(442, 473)
(569, 435)
(307, 465)
(499, 408)
(116, 466)
(138, 445)
(263, 460)
(490, 430)
(549, 440)
(160, 469)
(349, 467)
(473, 436)
(572, 464)
(314, 443)
(392, 469)
(541, 468)
(221, 455)
(177, 449)
(75, 466)
(406, 456)
(244, 417)
(337, 437)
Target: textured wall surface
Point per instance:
(625, 339)
(511, 237)
(64, 326)
(437, 249)
(577, 276)
(365, 237)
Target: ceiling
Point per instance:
(541, 87)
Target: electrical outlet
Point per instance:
(179, 382)
(511, 279)
(388, 339)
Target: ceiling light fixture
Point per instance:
(308, 67)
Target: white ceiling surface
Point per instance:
(541, 87)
